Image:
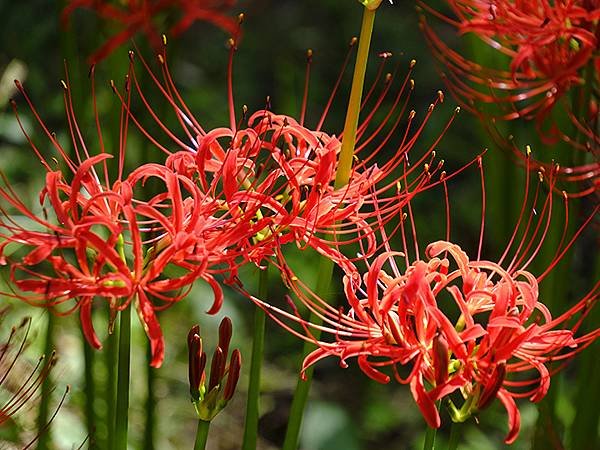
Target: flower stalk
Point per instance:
(342, 177)
(150, 403)
(110, 392)
(429, 443)
(89, 388)
(303, 385)
(358, 82)
(123, 376)
(44, 441)
(202, 434)
(258, 345)
(455, 430)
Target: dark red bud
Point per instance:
(217, 369)
(235, 363)
(225, 332)
(492, 386)
(201, 367)
(441, 360)
(196, 363)
(194, 330)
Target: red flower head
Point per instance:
(276, 170)
(134, 16)
(551, 50)
(450, 326)
(103, 239)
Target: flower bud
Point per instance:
(492, 386)
(210, 399)
(441, 360)
(235, 364)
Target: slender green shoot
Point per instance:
(429, 443)
(44, 441)
(201, 434)
(122, 408)
(343, 174)
(258, 345)
(455, 431)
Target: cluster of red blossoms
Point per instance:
(229, 196)
(467, 330)
(547, 71)
(459, 329)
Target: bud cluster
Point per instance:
(210, 399)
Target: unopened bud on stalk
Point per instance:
(210, 400)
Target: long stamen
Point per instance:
(309, 54)
(232, 48)
(337, 84)
(480, 164)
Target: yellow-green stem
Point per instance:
(303, 386)
(358, 80)
(343, 174)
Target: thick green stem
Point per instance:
(150, 404)
(110, 362)
(429, 443)
(42, 419)
(303, 385)
(258, 345)
(201, 435)
(358, 80)
(122, 409)
(89, 392)
(454, 436)
(343, 174)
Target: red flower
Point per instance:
(276, 170)
(551, 49)
(102, 241)
(134, 16)
(499, 347)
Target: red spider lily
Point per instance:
(497, 344)
(134, 16)
(103, 241)
(20, 382)
(551, 47)
(275, 168)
